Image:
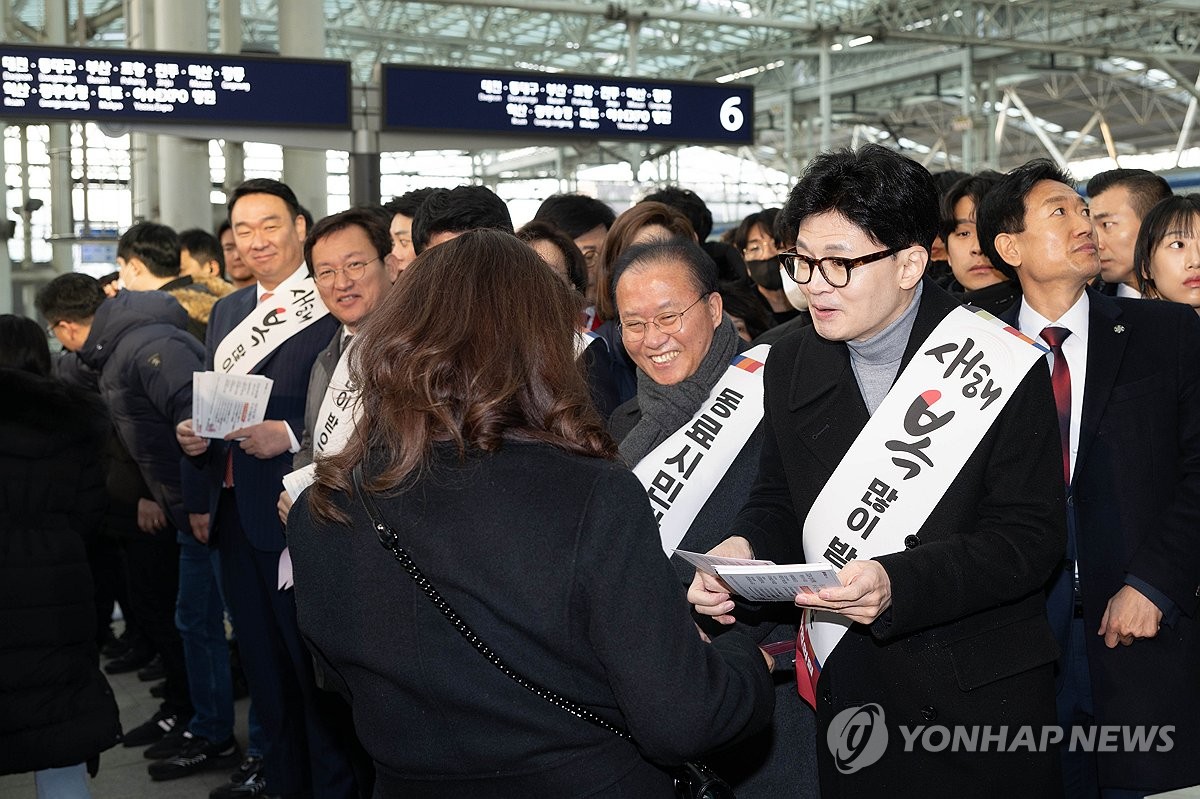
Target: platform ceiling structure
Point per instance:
(953, 84)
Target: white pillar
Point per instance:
(143, 147)
(302, 34)
(825, 101)
(62, 218)
(6, 285)
(231, 42)
(184, 179)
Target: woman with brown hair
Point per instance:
(483, 456)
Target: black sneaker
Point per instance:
(250, 767)
(246, 781)
(152, 671)
(160, 724)
(200, 754)
(169, 745)
(159, 689)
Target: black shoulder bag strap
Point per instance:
(391, 542)
(692, 781)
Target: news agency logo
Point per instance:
(857, 737)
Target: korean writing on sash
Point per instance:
(343, 398)
(703, 432)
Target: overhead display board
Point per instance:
(97, 85)
(537, 104)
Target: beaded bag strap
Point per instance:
(391, 542)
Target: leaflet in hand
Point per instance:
(762, 580)
(222, 403)
(295, 482)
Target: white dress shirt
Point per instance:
(1074, 350)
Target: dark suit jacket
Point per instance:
(965, 640)
(258, 482)
(1135, 496)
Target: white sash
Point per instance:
(336, 418)
(339, 412)
(293, 306)
(681, 472)
(339, 408)
(904, 460)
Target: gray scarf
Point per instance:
(665, 409)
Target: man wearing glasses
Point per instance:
(947, 624)
(353, 265)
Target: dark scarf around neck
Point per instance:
(665, 409)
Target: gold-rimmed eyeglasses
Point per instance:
(667, 323)
(353, 270)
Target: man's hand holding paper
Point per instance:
(189, 442)
(865, 593)
(223, 405)
(263, 440)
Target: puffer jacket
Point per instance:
(197, 296)
(145, 357)
(56, 708)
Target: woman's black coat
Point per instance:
(56, 708)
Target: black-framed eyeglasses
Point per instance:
(667, 323)
(836, 271)
(50, 328)
(354, 270)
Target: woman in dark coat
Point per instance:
(680, 356)
(485, 456)
(57, 712)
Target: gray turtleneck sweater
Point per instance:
(876, 361)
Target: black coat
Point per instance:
(554, 560)
(782, 757)
(56, 708)
(966, 639)
(1135, 493)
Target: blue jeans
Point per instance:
(69, 782)
(200, 617)
(257, 745)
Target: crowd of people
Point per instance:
(530, 422)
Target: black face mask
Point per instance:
(766, 274)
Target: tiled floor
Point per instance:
(123, 771)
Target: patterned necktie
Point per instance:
(1060, 379)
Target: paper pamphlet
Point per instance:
(762, 580)
(706, 563)
(222, 403)
(295, 482)
(778, 583)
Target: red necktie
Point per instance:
(1060, 379)
(228, 481)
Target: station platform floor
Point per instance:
(122, 772)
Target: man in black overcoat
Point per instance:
(950, 630)
(1123, 606)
